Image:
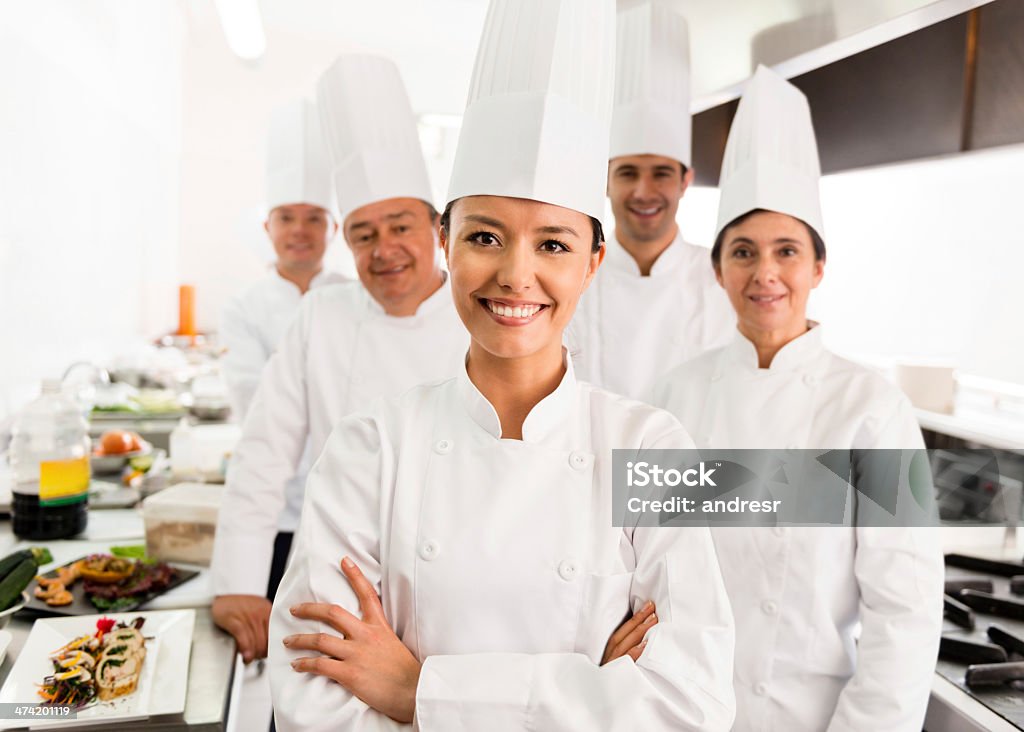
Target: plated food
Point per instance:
(103, 665)
(119, 442)
(108, 583)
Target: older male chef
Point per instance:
(350, 343)
(300, 226)
(654, 303)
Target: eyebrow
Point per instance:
(400, 214)
(557, 230)
(780, 240)
(488, 221)
(485, 220)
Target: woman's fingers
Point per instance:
(324, 643)
(369, 603)
(636, 635)
(618, 644)
(635, 651)
(334, 615)
(333, 669)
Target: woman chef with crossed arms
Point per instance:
(479, 509)
(798, 594)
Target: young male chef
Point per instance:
(349, 344)
(300, 225)
(654, 303)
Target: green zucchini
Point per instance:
(38, 555)
(15, 582)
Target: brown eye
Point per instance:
(483, 238)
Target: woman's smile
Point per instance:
(512, 312)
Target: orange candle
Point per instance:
(186, 310)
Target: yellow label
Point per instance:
(62, 481)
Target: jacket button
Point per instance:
(761, 689)
(568, 569)
(810, 379)
(579, 460)
(716, 377)
(429, 550)
(443, 447)
(770, 607)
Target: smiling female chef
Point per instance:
(479, 508)
(798, 593)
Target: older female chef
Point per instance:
(798, 593)
(479, 508)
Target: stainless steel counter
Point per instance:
(212, 666)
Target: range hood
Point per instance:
(942, 78)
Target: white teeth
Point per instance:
(520, 311)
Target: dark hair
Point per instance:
(431, 211)
(716, 250)
(595, 225)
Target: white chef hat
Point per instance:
(652, 81)
(771, 157)
(297, 167)
(371, 133)
(537, 120)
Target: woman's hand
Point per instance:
(369, 659)
(628, 640)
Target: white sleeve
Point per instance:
(341, 517)
(900, 575)
(719, 316)
(268, 455)
(683, 680)
(244, 358)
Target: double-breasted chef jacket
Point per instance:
(252, 325)
(799, 594)
(498, 566)
(342, 352)
(630, 330)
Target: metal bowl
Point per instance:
(6, 615)
(109, 464)
(210, 412)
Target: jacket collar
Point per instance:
(618, 259)
(545, 419)
(799, 353)
(441, 298)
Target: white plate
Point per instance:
(162, 685)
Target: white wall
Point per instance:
(227, 105)
(89, 149)
(925, 261)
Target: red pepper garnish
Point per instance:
(104, 625)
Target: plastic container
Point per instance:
(181, 522)
(201, 452)
(50, 472)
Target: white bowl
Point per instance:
(6, 615)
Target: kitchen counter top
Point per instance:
(986, 427)
(214, 669)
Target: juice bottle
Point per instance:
(49, 457)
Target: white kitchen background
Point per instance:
(131, 160)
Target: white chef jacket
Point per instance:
(631, 330)
(252, 324)
(498, 566)
(799, 593)
(342, 352)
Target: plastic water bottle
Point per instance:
(49, 457)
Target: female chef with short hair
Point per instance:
(798, 594)
(479, 509)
